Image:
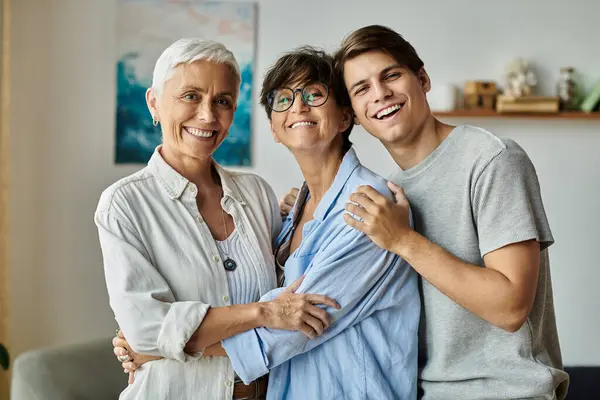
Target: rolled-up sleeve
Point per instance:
(352, 270)
(143, 304)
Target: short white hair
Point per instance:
(188, 50)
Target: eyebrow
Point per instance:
(224, 94)
(388, 69)
(357, 84)
(192, 87)
(382, 72)
(199, 89)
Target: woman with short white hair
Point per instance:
(187, 245)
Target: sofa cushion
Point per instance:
(85, 371)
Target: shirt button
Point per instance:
(192, 189)
(228, 383)
(225, 298)
(199, 219)
(215, 258)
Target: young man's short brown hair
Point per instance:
(377, 38)
(304, 65)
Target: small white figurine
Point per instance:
(520, 80)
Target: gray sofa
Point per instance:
(90, 371)
(86, 371)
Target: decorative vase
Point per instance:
(567, 89)
(443, 98)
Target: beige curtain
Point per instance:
(4, 191)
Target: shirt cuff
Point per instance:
(246, 355)
(271, 295)
(180, 323)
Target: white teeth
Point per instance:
(199, 132)
(388, 110)
(303, 123)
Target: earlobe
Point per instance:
(427, 86)
(347, 120)
(151, 103)
(425, 81)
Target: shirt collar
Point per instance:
(349, 164)
(230, 188)
(175, 184)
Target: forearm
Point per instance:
(216, 350)
(484, 291)
(366, 279)
(224, 322)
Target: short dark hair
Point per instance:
(307, 64)
(377, 38)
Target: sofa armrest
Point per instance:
(79, 371)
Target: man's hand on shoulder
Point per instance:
(387, 223)
(287, 201)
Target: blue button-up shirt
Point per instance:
(370, 349)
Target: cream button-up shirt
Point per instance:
(163, 271)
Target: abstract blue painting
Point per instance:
(145, 28)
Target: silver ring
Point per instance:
(124, 358)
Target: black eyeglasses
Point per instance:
(313, 95)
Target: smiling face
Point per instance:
(388, 99)
(326, 121)
(306, 128)
(195, 109)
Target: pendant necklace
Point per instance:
(229, 264)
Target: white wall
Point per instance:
(63, 139)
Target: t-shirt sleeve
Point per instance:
(507, 202)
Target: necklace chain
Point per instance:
(225, 241)
(228, 263)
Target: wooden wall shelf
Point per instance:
(571, 115)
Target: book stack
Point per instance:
(527, 104)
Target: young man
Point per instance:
(481, 234)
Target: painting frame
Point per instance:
(143, 32)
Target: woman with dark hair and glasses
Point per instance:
(370, 347)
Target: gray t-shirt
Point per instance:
(474, 194)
